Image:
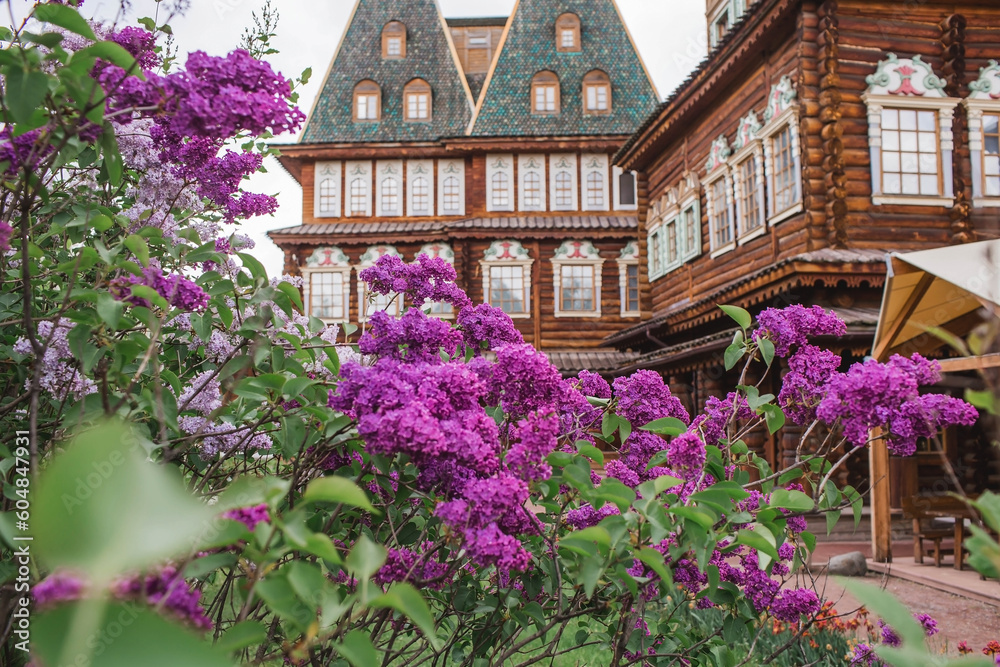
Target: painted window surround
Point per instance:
(508, 252)
(327, 259)
(629, 256)
(984, 98)
(577, 253)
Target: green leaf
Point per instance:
(984, 400)
(608, 425)
(591, 452)
(761, 539)
(336, 489)
(112, 156)
(365, 558)
(277, 592)
(739, 315)
(65, 17)
(655, 487)
(793, 500)
(732, 355)
(774, 417)
(665, 426)
(654, 559)
(596, 534)
(142, 637)
(242, 635)
(111, 52)
(832, 517)
(357, 649)
(320, 545)
(25, 91)
(766, 348)
(405, 599)
(110, 309)
(891, 610)
(294, 387)
(256, 268)
(82, 523)
(624, 428)
(293, 293)
(139, 248)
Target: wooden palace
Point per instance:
(486, 142)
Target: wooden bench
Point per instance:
(918, 508)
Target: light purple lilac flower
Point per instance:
(795, 325)
(249, 516)
(643, 397)
(489, 327)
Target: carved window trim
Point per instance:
(451, 187)
(983, 99)
(719, 180)
(394, 41)
(508, 253)
(533, 187)
(655, 249)
(892, 86)
(367, 102)
(596, 96)
(751, 155)
(568, 33)
(500, 182)
(420, 187)
(545, 94)
(577, 255)
(327, 178)
(418, 102)
(628, 259)
(324, 262)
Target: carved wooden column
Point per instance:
(832, 132)
(953, 68)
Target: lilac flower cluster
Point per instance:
(591, 384)
(712, 424)
(534, 439)
(416, 567)
(60, 375)
(489, 327)
(525, 381)
(428, 280)
(686, 456)
(168, 590)
(140, 43)
(249, 516)
(176, 289)
(58, 587)
(414, 337)
(805, 385)
(203, 395)
(864, 654)
(6, 231)
(222, 438)
(790, 605)
(794, 325)
(24, 151)
(586, 516)
(643, 397)
(876, 395)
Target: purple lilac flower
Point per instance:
(169, 590)
(928, 623)
(587, 516)
(790, 605)
(804, 386)
(794, 325)
(713, 423)
(686, 456)
(889, 636)
(140, 43)
(177, 290)
(428, 280)
(534, 439)
(577, 417)
(864, 656)
(643, 397)
(24, 151)
(415, 337)
(638, 449)
(591, 384)
(525, 380)
(58, 587)
(6, 231)
(249, 516)
(60, 375)
(618, 470)
(221, 438)
(204, 394)
(486, 326)
(416, 567)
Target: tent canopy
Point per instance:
(935, 288)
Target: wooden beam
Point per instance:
(985, 361)
(902, 319)
(878, 463)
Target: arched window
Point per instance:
(564, 190)
(394, 40)
(532, 190)
(390, 196)
(421, 195)
(568, 33)
(595, 190)
(367, 101)
(451, 192)
(545, 93)
(328, 196)
(359, 196)
(596, 93)
(501, 190)
(417, 99)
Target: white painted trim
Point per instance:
(532, 162)
(913, 200)
(557, 266)
(786, 214)
(334, 171)
(752, 235)
(616, 173)
(570, 166)
(354, 170)
(307, 274)
(986, 202)
(448, 169)
(391, 170)
(787, 118)
(975, 108)
(526, 270)
(721, 172)
(594, 163)
(723, 250)
(500, 163)
(420, 169)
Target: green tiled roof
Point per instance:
(428, 56)
(530, 48)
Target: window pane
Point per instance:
(327, 196)
(451, 191)
(421, 195)
(359, 196)
(721, 228)
(394, 46)
(564, 189)
(890, 119)
(595, 190)
(507, 288)
(785, 185)
(991, 155)
(568, 39)
(577, 290)
(632, 287)
(750, 214)
(910, 155)
(626, 188)
(390, 196)
(925, 121)
(501, 189)
(326, 296)
(532, 190)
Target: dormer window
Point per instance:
(545, 94)
(597, 93)
(367, 101)
(394, 40)
(417, 95)
(568, 33)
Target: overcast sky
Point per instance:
(670, 35)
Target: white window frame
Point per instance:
(782, 112)
(353, 171)
(559, 164)
(717, 167)
(689, 195)
(890, 88)
(508, 252)
(655, 249)
(577, 253)
(616, 173)
(327, 171)
(325, 260)
(367, 260)
(531, 164)
(982, 101)
(451, 169)
(747, 147)
(499, 167)
(416, 169)
(389, 172)
(594, 163)
(443, 251)
(628, 257)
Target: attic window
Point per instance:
(417, 96)
(545, 93)
(367, 101)
(568, 33)
(597, 93)
(394, 40)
